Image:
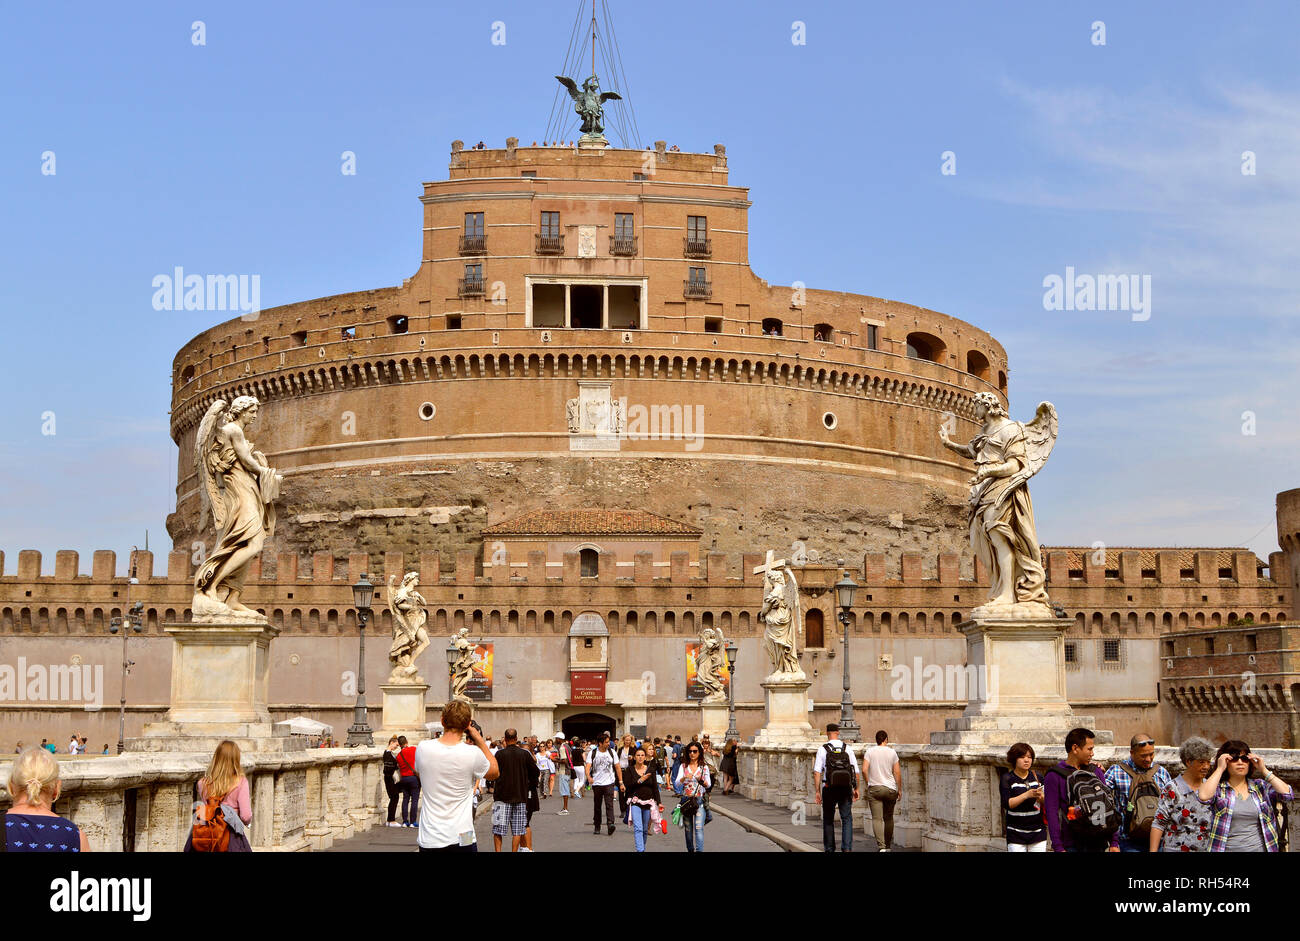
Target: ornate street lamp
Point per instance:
(844, 590)
(452, 655)
(363, 592)
(731, 648)
(134, 619)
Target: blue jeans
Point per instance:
(1125, 846)
(410, 798)
(640, 824)
(694, 832)
(833, 799)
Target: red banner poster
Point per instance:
(587, 687)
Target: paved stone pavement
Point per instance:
(572, 834)
(786, 823)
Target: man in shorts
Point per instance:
(510, 794)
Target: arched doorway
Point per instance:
(587, 725)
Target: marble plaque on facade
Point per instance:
(586, 241)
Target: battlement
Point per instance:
(1066, 568)
(563, 159)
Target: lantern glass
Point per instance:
(844, 589)
(363, 592)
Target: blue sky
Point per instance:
(1117, 159)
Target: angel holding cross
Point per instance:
(780, 617)
(1001, 516)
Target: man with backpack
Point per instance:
(1138, 783)
(835, 781)
(1080, 808)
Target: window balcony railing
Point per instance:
(550, 244)
(695, 288)
(625, 246)
(473, 244)
(470, 287)
(697, 248)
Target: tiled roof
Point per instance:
(1147, 555)
(591, 523)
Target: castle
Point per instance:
(582, 421)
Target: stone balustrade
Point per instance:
(303, 800)
(943, 806)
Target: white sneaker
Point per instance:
(524, 849)
(394, 823)
(561, 813)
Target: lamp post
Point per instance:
(133, 619)
(731, 649)
(452, 655)
(363, 592)
(844, 590)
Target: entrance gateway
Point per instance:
(588, 726)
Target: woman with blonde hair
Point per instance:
(31, 825)
(226, 785)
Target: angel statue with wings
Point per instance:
(462, 668)
(240, 489)
(409, 636)
(779, 616)
(1006, 454)
(589, 103)
(708, 665)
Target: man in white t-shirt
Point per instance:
(881, 767)
(449, 767)
(606, 779)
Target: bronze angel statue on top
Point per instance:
(589, 102)
(240, 490)
(1006, 454)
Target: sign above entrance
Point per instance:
(587, 687)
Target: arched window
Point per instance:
(823, 333)
(589, 560)
(1002, 381)
(814, 631)
(772, 327)
(925, 346)
(977, 364)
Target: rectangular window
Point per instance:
(712, 324)
(1252, 642)
(531, 174)
(550, 225)
(1169, 648)
(871, 337)
(473, 272)
(453, 321)
(474, 224)
(1209, 645)
(697, 228)
(623, 226)
(1071, 652)
(698, 275)
(640, 177)
(1110, 651)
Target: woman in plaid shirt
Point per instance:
(1242, 808)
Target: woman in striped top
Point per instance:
(1022, 802)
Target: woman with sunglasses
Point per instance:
(1242, 805)
(692, 782)
(1182, 823)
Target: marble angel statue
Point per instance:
(1006, 454)
(780, 616)
(462, 667)
(409, 635)
(708, 666)
(240, 490)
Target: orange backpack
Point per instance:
(210, 832)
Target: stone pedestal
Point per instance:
(220, 676)
(403, 711)
(787, 713)
(1015, 678)
(713, 721)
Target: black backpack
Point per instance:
(838, 771)
(1098, 817)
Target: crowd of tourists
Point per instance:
(1225, 799)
